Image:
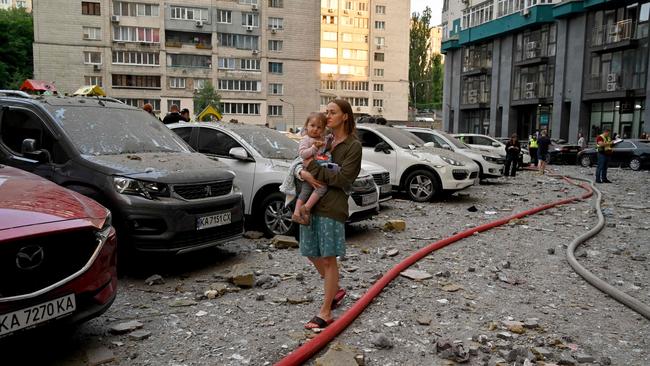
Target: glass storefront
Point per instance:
(625, 118)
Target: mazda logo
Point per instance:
(30, 257)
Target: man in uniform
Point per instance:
(604, 148)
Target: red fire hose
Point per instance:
(307, 350)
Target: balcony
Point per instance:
(609, 37)
(532, 93)
(188, 40)
(612, 85)
(475, 98)
(534, 53)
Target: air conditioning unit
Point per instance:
(97, 67)
(199, 23)
(256, 52)
(531, 46)
(254, 7)
(274, 31)
(529, 95)
(472, 100)
(378, 46)
(249, 28)
(380, 109)
(330, 75)
(466, 2)
(612, 78)
(525, 12)
(358, 109)
(472, 93)
(530, 86)
(330, 10)
(611, 87)
(359, 13)
(115, 18)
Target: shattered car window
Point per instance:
(103, 131)
(402, 138)
(269, 143)
(454, 141)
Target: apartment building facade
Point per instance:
(520, 66)
(364, 55)
(20, 4)
(261, 56)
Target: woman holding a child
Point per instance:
(323, 239)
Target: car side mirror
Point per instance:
(446, 147)
(238, 153)
(429, 144)
(496, 144)
(383, 146)
(28, 150)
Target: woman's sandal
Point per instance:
(318, 322)
(338, 298)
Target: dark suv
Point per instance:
(164, 196)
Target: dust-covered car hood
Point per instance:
(171, 168)
(445, 153)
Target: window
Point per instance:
(215, 142)
(348, 5)
(239, 85)
(20, 4)
(361, 6)
(380, 41)
(354, 85)
(136, 34)
(478, 14)
(138, 103)
(328, 84)
(378, 87)
(227, 63)
(275, 67)
(347, 37)
(124, 8)
(136, 58)
(250, 20)
(380, 24)
(328, 52)
(357, 102)
(275, 45)
(176, 83)
(92, 58)
(276, 89)
(90, 8)
(329, 36)
(368, 138)
(328, 69)
(240, 41)
(92, 33)
(93, 80)
(360, 23)
(249, 64)
(276, 4)
(173, 101)
(378, 72)
(185, 133)
(248, 2)
(184, 13)
(328, 19)
(136, 81)
(379, 57)
(241, 108)
(329, 4)
(18, 125)
(325, 100)
(181, 60)
(224, 16)
(380, 9)
(378, 103)
(276, 23)
(275, 110)
(349, 54)
(200, 83)
(476, 89)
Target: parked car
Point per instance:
(490, 144)
(57, 254)
(421, 172)
(631, 153)
(490, 165)
(559, 152)
(260, 158)
(164, 197)
(524, 155)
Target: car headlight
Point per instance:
(235, 188)
(136, 187)
(363, 184)
(557, 149)
(490, 158)
(451, 161)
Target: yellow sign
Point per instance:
(90, 91)
(209, 111)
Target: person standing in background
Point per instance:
(532, 149)
(512, 155)
(173, 116)
(582, 142)
(542, 151)
(604, 150)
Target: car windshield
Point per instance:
(401, 138)
(269, 143)
(453, 140)
(113, 131)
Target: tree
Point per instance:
(205, 96)
(438, 76)
(16, 38)
(420, 78)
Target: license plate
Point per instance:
(386, 188)
(36, 314)
(368, 199)
(205, 222)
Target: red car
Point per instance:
(57, 254)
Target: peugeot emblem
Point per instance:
(30, 257)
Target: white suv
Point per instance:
(488, 144)
(491, 165)
(422, 172)
(260, 158)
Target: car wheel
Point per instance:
(585, 161)
(635, 164)
(421, 186)
(275, 216)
